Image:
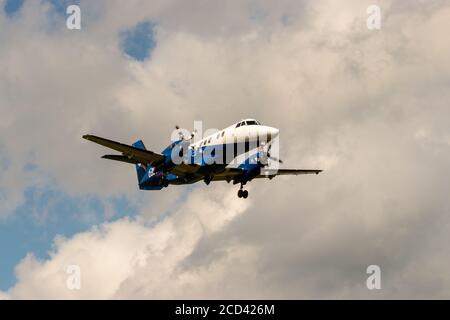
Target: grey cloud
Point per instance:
(371, 108)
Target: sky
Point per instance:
(369, 107)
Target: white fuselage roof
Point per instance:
(246, 130)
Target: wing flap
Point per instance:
(227, 174)
(283, 172)
(184, 169)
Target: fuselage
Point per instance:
(233, 146)
(222, 147)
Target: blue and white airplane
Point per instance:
(238, 154)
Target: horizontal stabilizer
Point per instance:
(120, 158)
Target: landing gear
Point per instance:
(242, 193)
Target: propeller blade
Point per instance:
(276, 159)
(193, 133)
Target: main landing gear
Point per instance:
(242, 193)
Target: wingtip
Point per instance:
(86, 136)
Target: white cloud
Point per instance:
(129, 258)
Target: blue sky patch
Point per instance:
(46, 214)
(60, 6)
(140, 41)
(12, 6)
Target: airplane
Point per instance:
(238, 154)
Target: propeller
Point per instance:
(181, 135)
(267, 155)
(275, 159)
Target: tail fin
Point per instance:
(141, 168)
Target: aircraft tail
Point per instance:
(141, 168)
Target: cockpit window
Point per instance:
(248, 123)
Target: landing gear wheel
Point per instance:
(245, 194)
(240, 193)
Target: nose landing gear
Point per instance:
(242, 193)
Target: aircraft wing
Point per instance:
(227, 174)
(130, 154)
(230, 173)
(283, 172)
(182, 170)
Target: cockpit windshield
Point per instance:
(248, 123)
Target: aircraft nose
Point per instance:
(270, 132)
(273, 132)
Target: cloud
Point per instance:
(116, 258)
(369, 107)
